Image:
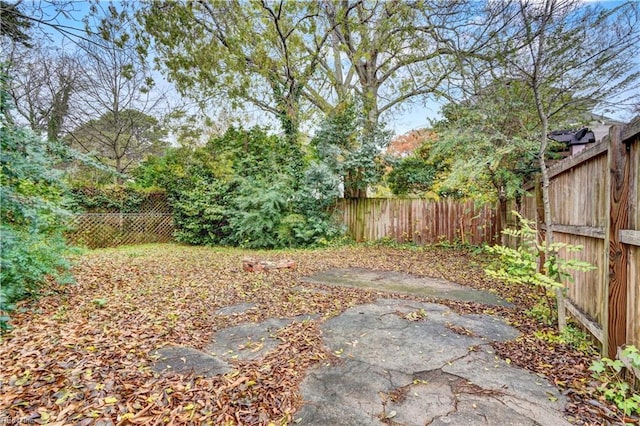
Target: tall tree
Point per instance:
(394, 53)
(489, 136)
(43, 86)
(260, 52)
(121, 141)
(44, 76)
(115, 112)
(570, 47)
(284, 56)
(387, 55)
(351, 152)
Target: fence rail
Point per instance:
(97, 230)
(595, 203)
(418, 221)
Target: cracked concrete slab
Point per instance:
(350, 395)
(401, 282)
(379, 334)
(473, 410)
(240, 308)
(250, 341)
(186, 360)
(527, 393)
(403, 363)
(421, 400)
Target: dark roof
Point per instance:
(581, 137)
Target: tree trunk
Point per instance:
(543, 115)
(548, 221)
(351, 187)
(540, 221)
(288, 115)
(118, 178)
(370, 109)
(59, 111)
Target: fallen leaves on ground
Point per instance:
(82, 354)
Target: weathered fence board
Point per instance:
(631, 236)
(617, 280)
(580, 204)
(587, 291)
(418, 221)
(633, 297)
(594, 199)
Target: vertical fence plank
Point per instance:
(633, 286)
(418, 221)
(616, 280)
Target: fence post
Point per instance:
(501, 222)
(617, 190)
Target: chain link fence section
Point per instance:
(98, 230)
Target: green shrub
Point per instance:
(411, 175)
(520, 265)
(27, 259)
(31, 213)
(612, 384)
(256, 214)
(542, 312)
(273, 215)
(570, 336)
(111, 198)
(200, 212)
(239, 190)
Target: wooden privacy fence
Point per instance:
(418, 221)
(594, 202)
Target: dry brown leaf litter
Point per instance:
(82, 354)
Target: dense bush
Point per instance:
(270, 214)
(111, 198)
(411, 175)
(239, 189)
(351, 148)
(31, 213)
(200, 212)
